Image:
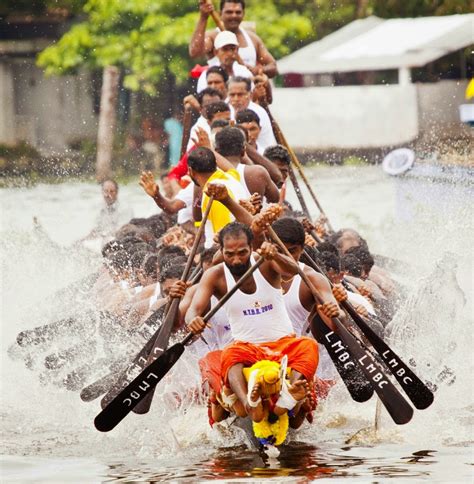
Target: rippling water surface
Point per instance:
(47, 432)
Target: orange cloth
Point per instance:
(302, 354)
(210, 368)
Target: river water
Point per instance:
(48, 433)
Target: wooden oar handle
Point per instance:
(282, 140)
(195, 246)
(227, 296)
(217, 20)
(187, 122)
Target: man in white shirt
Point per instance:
(112, 215)
(249, 120)
(205, 97)
(239, 91)
(226, 46)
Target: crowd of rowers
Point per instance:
(233, 157)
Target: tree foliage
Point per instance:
(149, 38)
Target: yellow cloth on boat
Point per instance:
(220, 215)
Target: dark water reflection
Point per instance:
(296, 463)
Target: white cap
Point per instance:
(225, 38)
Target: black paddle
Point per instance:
(121, 377)
(282, 140)
(137, 364)
(147, 380)
(51, 331)
(161, 341)
(419, 394)
(297, 189)
(354, 379)
(56, 361)
(398, 408)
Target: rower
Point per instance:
(112, 215)
(216, 78)
(249, 120)
(240, 98)
(224, 186)
(230, 143)
(299, 299)
(280, 157)
(252, 50)
(205, 97)
(226, 45)
(258, 319)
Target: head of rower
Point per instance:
(292, 234)
(226, 46)
(230, 143)
(235, 241)
(216, 111)
(239, 90)
(232, 14)
(201, 165)
(280, 157)
(110, 191)
(208, 96)
(217, 79)
(251, 122)
(168, 277)
(332, 265)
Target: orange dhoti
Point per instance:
(210, 367)
(302, 354)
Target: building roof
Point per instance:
(376, 44)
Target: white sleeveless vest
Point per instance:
(296, 311)
(241, 171)
(259, 317)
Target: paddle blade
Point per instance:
(398, 408)
(98, 388)
(159, 346)
(354, 379)
(137, 390)
(419, 394)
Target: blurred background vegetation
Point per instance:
(148, 41)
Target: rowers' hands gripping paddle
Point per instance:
(145, 383)
(198, 325)
(266, 217)
(268, 251)
(218, 191)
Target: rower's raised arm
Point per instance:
(201, 44)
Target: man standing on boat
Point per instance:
(252, 50)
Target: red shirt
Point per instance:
(181, 168)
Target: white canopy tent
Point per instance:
(376, 44)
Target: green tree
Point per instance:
(148, 38)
